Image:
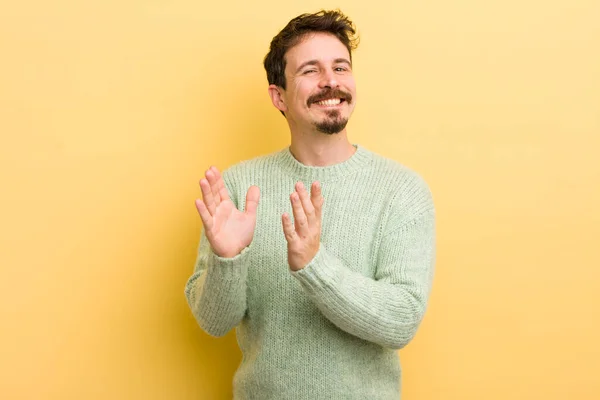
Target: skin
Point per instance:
(308, 144)
(316, 67)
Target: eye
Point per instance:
(308, 71)
(341, 69)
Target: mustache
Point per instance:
(329, 94)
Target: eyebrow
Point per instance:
(315, 62)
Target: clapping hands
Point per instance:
(229, 230)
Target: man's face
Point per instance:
(320, 90)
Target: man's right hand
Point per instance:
(227, 229)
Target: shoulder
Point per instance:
(248, 169)
(410, 195)
(243, 174)
(401, 178)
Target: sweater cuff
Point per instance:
(319, 272)
(229, 268)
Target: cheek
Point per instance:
(301, 93)
(352, 90)
(300, 101)
(351, 85)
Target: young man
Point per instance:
(320, 303)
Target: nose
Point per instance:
(328, 80)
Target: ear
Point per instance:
(276, 95)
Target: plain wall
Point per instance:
(111, 111)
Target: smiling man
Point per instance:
(321, 86)
(320, 302)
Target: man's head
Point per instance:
(309, 69)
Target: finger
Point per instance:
(288, 227)
(220, 184)
(300, 221)
(207, 196)
(317, 199)
(204, 214)
(309, 209)
(214, 186)
(252, 198)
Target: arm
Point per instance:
(388, 309)
(216, 291)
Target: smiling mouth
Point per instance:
(330, 102)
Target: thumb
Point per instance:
(252, 198)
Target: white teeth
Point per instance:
(329, 102)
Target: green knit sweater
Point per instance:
(330, 330)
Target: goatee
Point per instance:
(333, 124)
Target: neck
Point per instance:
(320, 149)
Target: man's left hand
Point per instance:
(304, 235)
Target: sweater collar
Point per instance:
(359, 160)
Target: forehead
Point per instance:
(323, 47)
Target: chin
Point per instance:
(330, 127)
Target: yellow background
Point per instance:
(111, 111)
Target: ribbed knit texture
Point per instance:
(330, 330)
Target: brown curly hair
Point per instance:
(333, 22)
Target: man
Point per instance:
(320, 303)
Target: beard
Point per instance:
(332, 124)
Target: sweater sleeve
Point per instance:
(216, 291)
(388, 308)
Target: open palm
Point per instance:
(227, 229)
